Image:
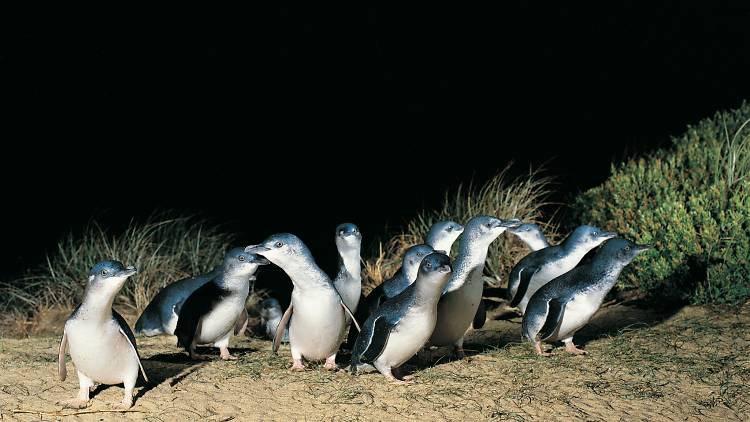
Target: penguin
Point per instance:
(214, 310)
(442, 235)
(531, 235)
(270, 316)
(400, 327)
(160, 316)
(348, 281)
(539, 267)
(462, 295)
(317, 315)
(102, 346)
(404, 277)
(566, 304)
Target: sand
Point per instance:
(687, 364)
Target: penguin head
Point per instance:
(281, 249)
(588, 237)
(348, 236)
(435, 269)
(483, 229)
(109, 276)
(239, 262)
(621, 251)
(269, 308)
(528, 232)
(444, 232)
(414, 255)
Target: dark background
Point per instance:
(296, 119)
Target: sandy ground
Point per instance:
(691, 364)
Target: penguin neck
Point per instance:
(235, 282)
(305, 273)
(409, 273)
(349, 263)
(471, 257)
(426, 292)
(536, 243)
(95, 309)
(575, 250)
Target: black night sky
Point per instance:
(296, 119)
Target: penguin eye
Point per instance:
(428, 265)
(105, 272)
(489, 225)
(627, 248)
(241, 258)
(341, 232)
(279, 244)
(595, 233)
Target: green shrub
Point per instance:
(693, 202)
(522, 198)
(163, 248)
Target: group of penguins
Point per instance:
(432, 300)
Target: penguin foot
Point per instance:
(297, 366)
(395, 380)
(125, 404)
(225, 355)
(459, 352)
(74, 403)
(539, 351)
(572, 349)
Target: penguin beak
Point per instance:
(257, 259)
(513, 222)
(256, 249)
(641, 248)
(608, 235)
(442, 252)
(127, 272)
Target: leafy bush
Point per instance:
(693, 201)
(521, 198)
(163, 248)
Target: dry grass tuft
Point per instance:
(523, 197)
(164, 248)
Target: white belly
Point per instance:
(219, 323)
(546, 274)
(101, 352)
(578, 312)
(408, 338)
(350, 292)
(317, 325)
(456, 310)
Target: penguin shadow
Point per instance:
(633, 315)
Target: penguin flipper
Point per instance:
(61, 369)
(200, 303)
(241, 324)
(523, 285)
(378, 339)
(481, 316)
(281, 328)
(554, 318)
(125, 331)
(351, 315)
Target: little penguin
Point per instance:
(400, 327)
(160, 316)
(270, 316)
(462, 295)
(531, 235)
(211, 313)
(442, 235)
(402, 279)
(317, 315)
(539, 267)
(348, 281)
(102, 346)
(566, 304)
